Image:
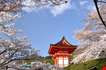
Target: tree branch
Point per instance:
(10, 57)
(11, 7)
(102, 1)
(97, 8)
(16, 59)
(16, 68)
(3, 51)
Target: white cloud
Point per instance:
(91, 7)
(30, 6)
(83, 2)
(27, 9)
(87, 4)
(28, 3)
(57, 10)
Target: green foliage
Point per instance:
(48, 59)
(87, 65)
(34, 58)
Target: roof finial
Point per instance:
(63, 38)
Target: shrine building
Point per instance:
(61, 52)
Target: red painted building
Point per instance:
(61, 52)
(104, 67)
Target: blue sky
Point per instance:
(43, 27)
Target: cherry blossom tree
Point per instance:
(12, 9)
(92, 37)
(14, 46)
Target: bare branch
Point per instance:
(97, 8)
(102, 1)
(3, 52)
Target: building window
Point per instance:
(60, 61)
(66, 61)
(63, 61)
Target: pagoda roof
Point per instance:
(63, 44)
